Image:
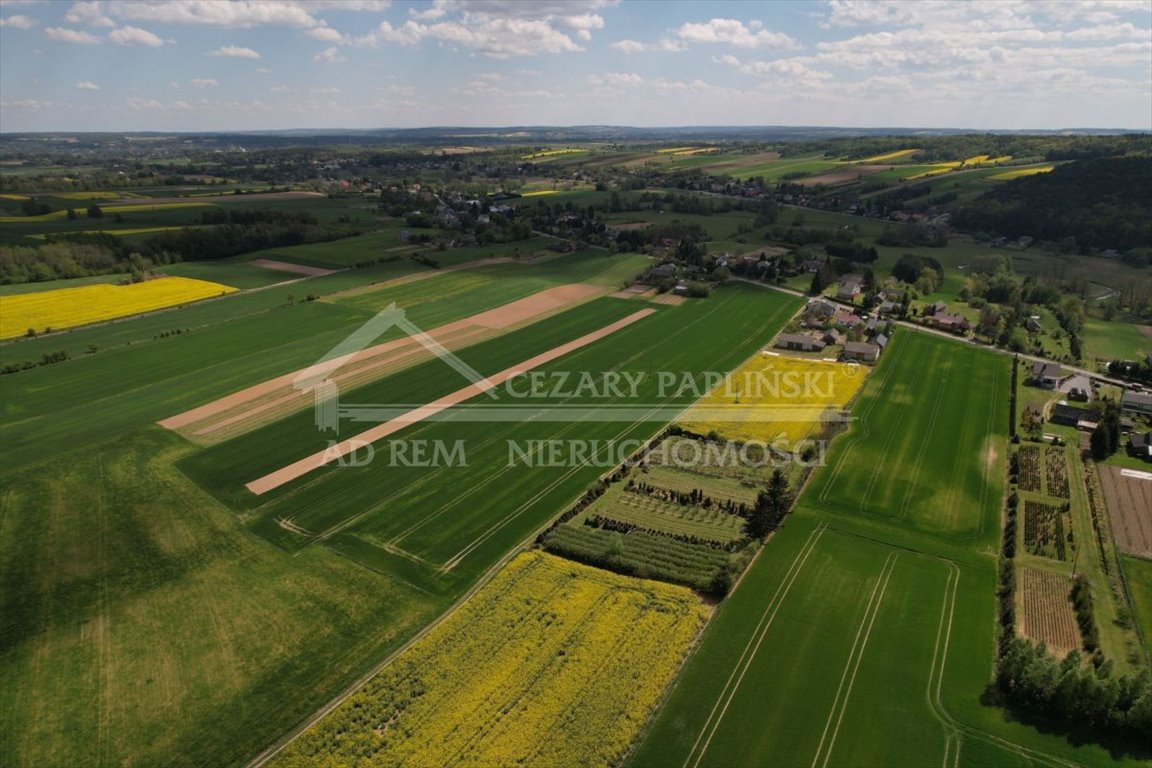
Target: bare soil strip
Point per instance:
(1048, 614)
(669, 299)
(1129, 501)
(284, 266)
(320, 458)
(368, 363)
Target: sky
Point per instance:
(215, 65)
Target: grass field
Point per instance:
(494, 503)
(1138, 573)
(70, 307)
(866, 636)
(771, 397)
(911, 474)
(1115, 340)
(266, 334)
(107, 549)
(551, 663)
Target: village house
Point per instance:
(847, 319)
(1071, 416)
(1136, 403)
(1045, 374)
(819, 311)
(849, 288)
(946, 322)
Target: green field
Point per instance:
(1115, 340)
(142, 626)
(493, 504)
(266, 334)
(910, 476)
(863, 634)
(1138, 573)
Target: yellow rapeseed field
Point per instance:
(888, 156)
(975, 159)
(539, 193)
(1016, 174)
(772, 398)
(550, 153)
(553, 663)
(69, 307)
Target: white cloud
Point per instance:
(65, 35)
(329, 56)
(87, 85)
(616, 78)
(733, 32)
(88, 12)
(324, 90)
(217, 13)
(135, 36)
(18, 21)
(635, 46)
(263, 70)
(233, 52)
(281, 89)
(325, 35)
(203, 82)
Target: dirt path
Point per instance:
(231, 410)
(320, 458)
(298, 269)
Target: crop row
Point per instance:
(640, 554)
(1056, 469)
(1044, 530)
(1029, 468)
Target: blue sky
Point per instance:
(260, 64)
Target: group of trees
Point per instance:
(1105, 439)
(1085, 699)
(1104, 203)
(772, 504)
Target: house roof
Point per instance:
(1046, 370)
(1139, 440)
(1136, 398)
(862, 348)
(797, 338)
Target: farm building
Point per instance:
(861, 350)
(800, 342)
(1138, 403)
(833, 336)
(811, 265)
(890, 308)
(1140, 446)
(1045, 374)
(946, 322)
(1071, 416)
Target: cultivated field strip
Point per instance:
(1048, 616)
(551, 663)
(1129, 503)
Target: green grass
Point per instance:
(139, 625)
(795, 669)
(18, 289)
(237, 275)
(910, 476)
(1138, 573)
(1115, 340)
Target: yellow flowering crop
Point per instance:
(551, 664)
(69, 307)
(888, 156)
(774, 397)
(1009, 175)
